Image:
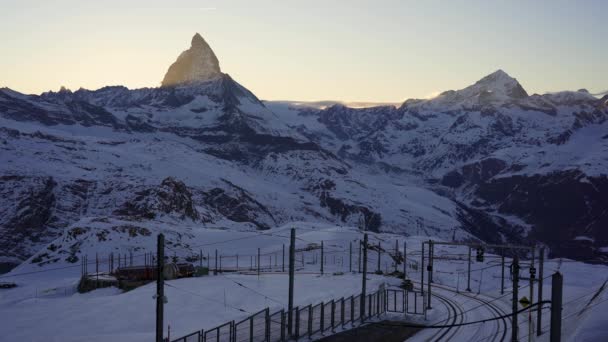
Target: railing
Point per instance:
(311, 320)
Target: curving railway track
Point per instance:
(457, 314)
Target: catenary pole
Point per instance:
(430, 270)
(557, 281)
(322, 257)
(469, 272)
(539, 311)
(502, 277)
(514, 323)
(350, 256)
(404, 260)
(160, 287)
(292, 261)
(530, 322)
(364, 278)
(422, 270)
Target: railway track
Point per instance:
(502, 325)
(457, 315)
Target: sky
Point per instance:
(378, 51)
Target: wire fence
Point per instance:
(310, 320)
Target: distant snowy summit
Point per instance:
(198, 63)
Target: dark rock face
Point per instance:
(56, 111)
(567, 209)
(489, 228)
(238, 205)
(474, 173)
(340, 208)
(24, 221)
(172, 197)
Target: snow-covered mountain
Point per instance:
(488, 162)
(538, 161)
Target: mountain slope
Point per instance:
(203, 151)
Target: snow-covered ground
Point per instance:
(45, 306)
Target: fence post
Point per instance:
(557, 281)
(322, 323)
(310, 320)
(342, 311)
(282, 326)
(283, 265)
(267, 316)
(352, 310)
(333, 314)
(250, 330)
(297, 322)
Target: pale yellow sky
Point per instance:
(383, 51)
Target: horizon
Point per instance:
(352, 65)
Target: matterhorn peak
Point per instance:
(198, 63)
